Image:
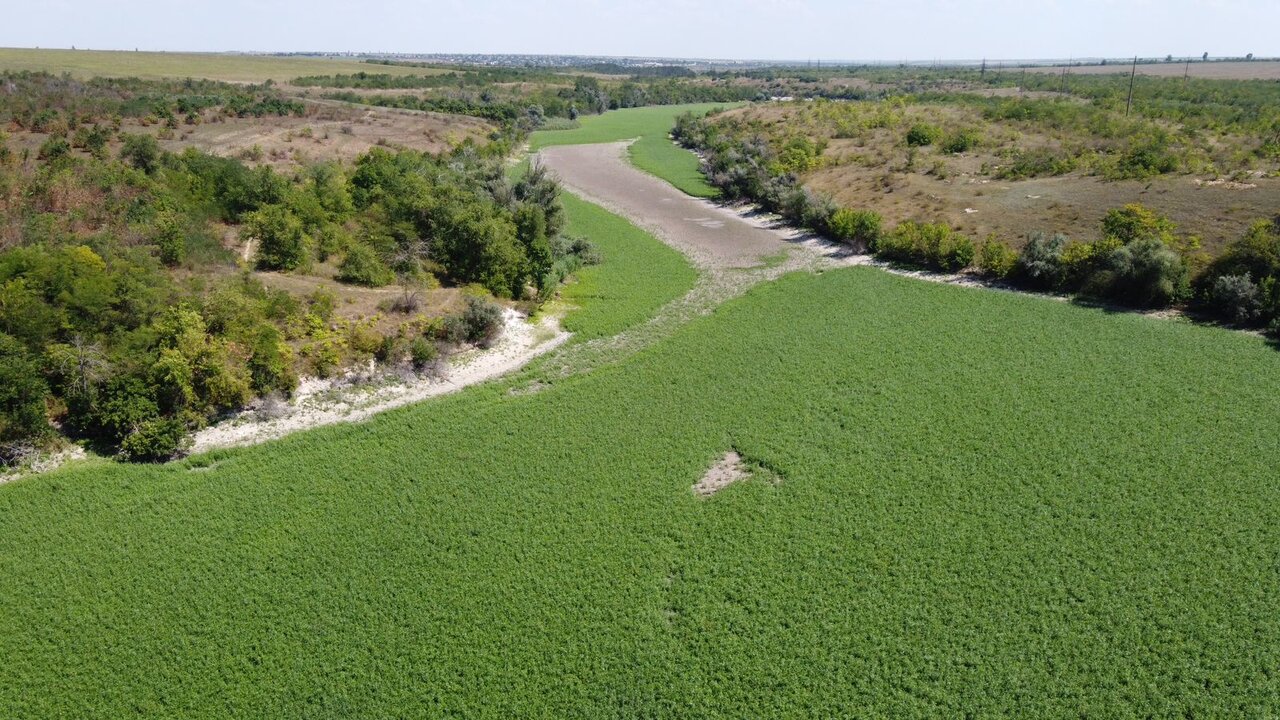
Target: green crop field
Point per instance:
(652, 152)
(637, 276)
(213, 66)
(968, 503)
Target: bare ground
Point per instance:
(728, 470)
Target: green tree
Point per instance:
(282, 244)
(362, 266)
(23, 392)
(531, 230)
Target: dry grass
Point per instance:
(330, 130)
(1260, 70)
(872, 171)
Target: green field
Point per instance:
(653, 152)
(213, 66)
(638, 275)
(982, 504)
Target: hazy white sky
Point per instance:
(760, 29)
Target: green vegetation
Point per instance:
(142, 325)
(90, 112)
(948, 494)
(637, 275)
(652, 152)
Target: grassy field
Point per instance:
(213, 66)
(639, 274)
(653, 152)
(982, 504)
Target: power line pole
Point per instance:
(1129, 103)
(983, 75)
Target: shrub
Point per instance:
(482, 322)
(1236, 298)
(1036, 163)
(933, 245)
(860, 228)
(170, 239)
(53, 149)
(923, 134)
(960, 141)
(1135, 221)
(362, 266)
(270, 363)
(1040, 262)
(422, 352)
(142, 152)
(1146, 273)
(996, 259)
(155, 441)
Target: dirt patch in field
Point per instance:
(728, 470)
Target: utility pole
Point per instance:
(1129, 103)
(1187, 73)
(983, 75)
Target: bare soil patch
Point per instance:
(728, 470)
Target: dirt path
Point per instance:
(713, 236)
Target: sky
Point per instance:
(884, 30)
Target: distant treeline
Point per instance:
(37, 100)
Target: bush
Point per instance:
(155, 441)
(960, 141)
(933, 245)
(1236, 298)
(1040, 262)
(142, 152)
(1145, 273)
(422, 352)
(923, 134)
(362, 266)
(482, 322)
(1036, 163)
(860, 228)
(996, 259)
(170, 239)
(53, 149)
(1134, 222)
